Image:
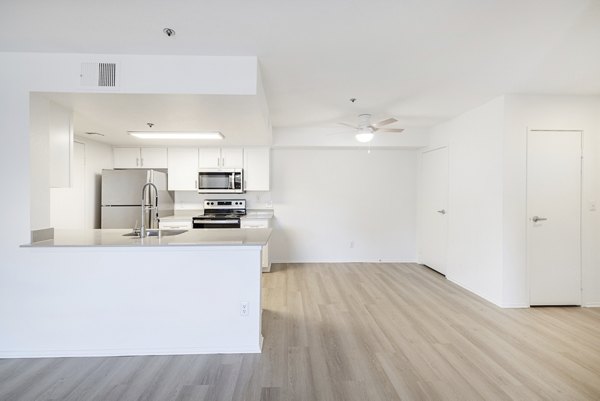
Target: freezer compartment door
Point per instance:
(123, 217)
(123, 187)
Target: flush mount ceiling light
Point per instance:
(365, 135)
(176, 135)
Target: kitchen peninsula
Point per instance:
(188, 292)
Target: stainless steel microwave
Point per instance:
(221, 181)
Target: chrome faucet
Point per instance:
(143, 233)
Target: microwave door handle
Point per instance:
(232, 181)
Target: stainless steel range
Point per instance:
(221, 213)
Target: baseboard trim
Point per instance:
(129, 352)
(475, 292)
(515, 306)
(591, 305)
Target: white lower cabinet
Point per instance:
(260, 223)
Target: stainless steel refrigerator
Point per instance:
(122, 198)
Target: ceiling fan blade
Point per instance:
(385, 122)
(348, 125)
(391, 129)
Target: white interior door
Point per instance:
(554, 217)
(433, 236)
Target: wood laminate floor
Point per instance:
(353, 332)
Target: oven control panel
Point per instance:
(229, 204)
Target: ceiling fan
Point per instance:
(365, 130)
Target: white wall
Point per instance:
(487, 244)
(39, 157)
(551, 113)
(98, 156)
(324, 199)
(67, 205)
(51, 147)
(191, 200)
(474, 141)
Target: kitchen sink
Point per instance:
(153, 232)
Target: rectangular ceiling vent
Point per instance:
(99, 75)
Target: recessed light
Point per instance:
(176, 135)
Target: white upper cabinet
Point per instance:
(257, 169)
(126, 157)
(183, 169)
(140, 157)
(221, 157)
(153, 157)
(209, 157)
(232, 157)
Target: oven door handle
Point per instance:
(216, 221)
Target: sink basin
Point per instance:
(153, 232)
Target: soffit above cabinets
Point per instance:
(240, 118)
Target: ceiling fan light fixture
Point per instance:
(176, 135)
(365, 135)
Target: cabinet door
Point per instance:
(153, 158)
(209, 157)
(176, 224)
(183, 169)
(257, 169)
(126, 157)
(232, 157)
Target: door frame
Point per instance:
(527, 225)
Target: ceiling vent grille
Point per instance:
(100, 75)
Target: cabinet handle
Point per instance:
(218, 161)
(142, 162)
(223, 165)
(137, 161)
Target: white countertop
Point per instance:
(115, 237)
(259, 214)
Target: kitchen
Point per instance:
(183, 161)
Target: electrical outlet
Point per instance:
(244, 308)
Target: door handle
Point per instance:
(535, 219)
(443, 211)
